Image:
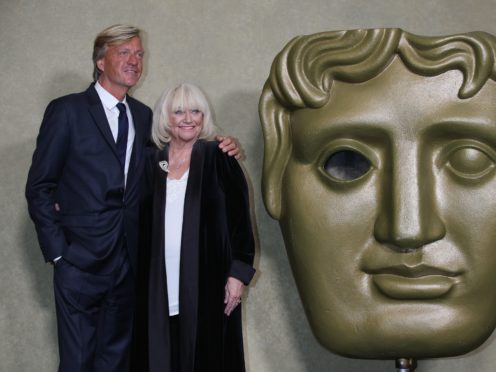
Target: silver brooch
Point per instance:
(164, 165)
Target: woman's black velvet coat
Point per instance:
(217, 242)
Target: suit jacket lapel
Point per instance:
(97, 112)
(139, 134)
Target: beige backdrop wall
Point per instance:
(226, 46)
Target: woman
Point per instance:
(202, 244)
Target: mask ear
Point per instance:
(277, 149)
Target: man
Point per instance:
(83, 193)
(380, 153)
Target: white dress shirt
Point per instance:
(110, 106)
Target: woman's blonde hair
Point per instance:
(184, 96)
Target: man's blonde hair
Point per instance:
(116, 34)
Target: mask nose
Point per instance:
(408, 218)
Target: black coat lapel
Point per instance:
(190, 258)
(158, 308)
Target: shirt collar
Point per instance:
(108, 100)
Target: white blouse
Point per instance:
(174, 210)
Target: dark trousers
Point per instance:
(174, 340)
(94, 317)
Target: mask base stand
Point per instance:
(405, 365)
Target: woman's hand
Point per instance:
(234, 290)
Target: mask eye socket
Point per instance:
(346, 165)
(470, 162)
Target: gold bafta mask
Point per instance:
(379, 163)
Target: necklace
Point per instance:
(179, 164)
(181, 160)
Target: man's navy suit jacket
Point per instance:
(75, 165)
